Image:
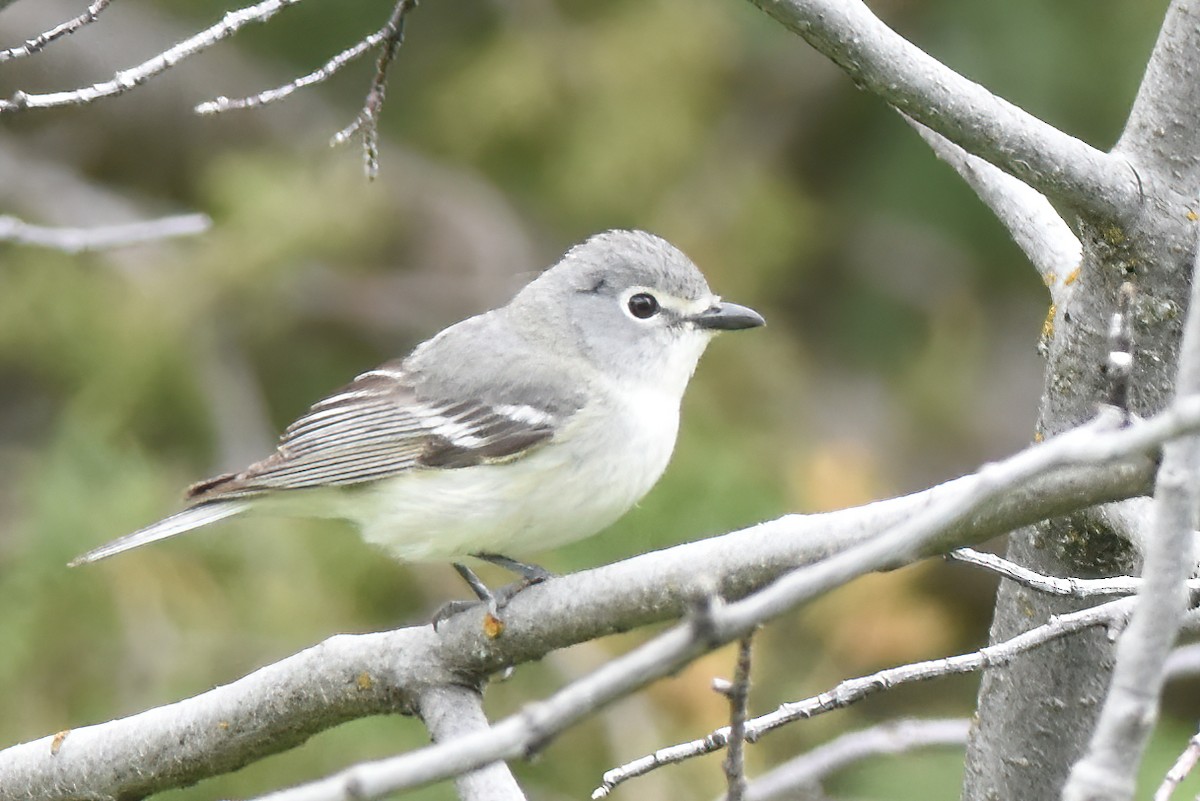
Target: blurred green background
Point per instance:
(901, 349)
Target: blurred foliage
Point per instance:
(900, 350)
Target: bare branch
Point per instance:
(738, 692)
(881, 61)
(851, 691)
(322, 73)
(101, 237)
(1109, 768)
(453, 711)
(283, 704)
(717, 625)
(1161, 139)
(1070, 586)
(1037, 228)
(131, 78)
(794, 778)
(38, 42)
(367, 121)
(1180, 770)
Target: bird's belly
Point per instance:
(554, 495)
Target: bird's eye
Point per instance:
(643, 306)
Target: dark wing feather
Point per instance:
(378, 426)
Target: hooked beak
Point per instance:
(723, 316)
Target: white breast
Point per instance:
(580, 482)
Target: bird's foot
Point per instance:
(494, 600)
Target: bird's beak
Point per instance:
(723, 316)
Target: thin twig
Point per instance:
(798, 777)
(1180, 770)
(101, 237)
(738, 692)
(851, 691)
(131, 78)
(367, 120)
(35, 44)
(1070, 586)
(323, 73)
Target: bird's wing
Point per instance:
(385, 422)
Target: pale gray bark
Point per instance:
(281, 705)
(1109, 769)
(884, 63)
(1037, 714)
(451, 711)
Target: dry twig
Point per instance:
(367, 121)
(131, 78)
(738, 693)
(38, 42)
(1180, 770)
(1111, 614)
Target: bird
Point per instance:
(517, 430)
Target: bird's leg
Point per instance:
(532, 574)
(452, 608)
(529, 575)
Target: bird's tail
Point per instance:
(186, 520)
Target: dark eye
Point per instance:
(643, 305)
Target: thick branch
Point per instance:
(452, 711)
(1109, 769)
(1161, 137)
(884, 63)
(281, 705)
(714, 624)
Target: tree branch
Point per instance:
(323, 73)
(367, 121)
(1109, 768)
(453, 711)
(715, 624)
(1161, 138)
(738, 693)
(38, 42)
(101, 237)
(850, 691)
(800, 776)
(283, 704)
(131, 78)
(1070, 586)
(881, 61)
(1180, 770)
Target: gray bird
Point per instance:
(530, 426)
